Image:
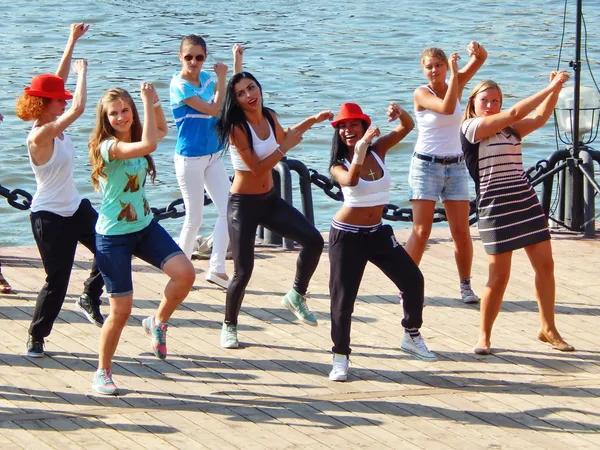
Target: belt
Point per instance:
(440, 159)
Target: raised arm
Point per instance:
(159, 117)
(478, 56)
(77, 30)
(307, 123)
(238, 56)
(212, 109)
(543, 112)
(286, 140)
(384, 143)
(490, 125)
(148, 143)
(424, 99)
(41, 139)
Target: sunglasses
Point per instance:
(198, 58)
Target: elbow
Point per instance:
(409, 126)
(161, 133)
(515, 114)
(353, 181)
(78, 109)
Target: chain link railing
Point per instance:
(12, 197)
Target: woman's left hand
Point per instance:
(393, 111)
(237, 50)
(474, 49)
(323, 115)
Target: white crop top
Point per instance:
(56, 191)
(368, 193)
(439, 134)
(262, 149)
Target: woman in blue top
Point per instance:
(196, 97)
(120, 155)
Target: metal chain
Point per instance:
(12, 197)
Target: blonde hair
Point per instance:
(104, 131)
(30, 107)
(481, 87)
(433, 52)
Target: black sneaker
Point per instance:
(35, 347)
(90, 309)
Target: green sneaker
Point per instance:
(296, 303)
(229, 337)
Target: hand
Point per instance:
(557, 79)
(323, 115)
(237, 50)
(453, 62)
(370, 134)
(220, 69)
(148, 92)
(80, 66)
(474, 49)
(393, 111)
(78, 30)
(292, 138)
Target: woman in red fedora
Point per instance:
(437, 168)
(257, 142)
(59, 216)
(358, 236)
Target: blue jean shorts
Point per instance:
(430, 180)
(113, 255)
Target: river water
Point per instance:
(309, 55)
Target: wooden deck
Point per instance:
(274, 392)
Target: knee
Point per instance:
(461, 237)
(545, 268)
(315, 243)
(421, 232)
(186, 275)
(120, 315)
(499, 279)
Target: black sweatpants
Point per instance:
(245, 212)
(348, 256)
(57, 238)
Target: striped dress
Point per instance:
(510, 214)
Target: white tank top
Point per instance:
(56, 191)
(439, 134)
(368, 193)
(262, 149)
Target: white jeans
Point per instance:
(193, 174)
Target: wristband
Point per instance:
(280, 151)
(360, 151)
(156, 103)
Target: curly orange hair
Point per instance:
(29, 107)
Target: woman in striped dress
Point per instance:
(510, 214)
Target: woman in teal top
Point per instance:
(120, 155)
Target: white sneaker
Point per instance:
(212, 277)
(229, 337)
(467, 295)
(339, 372)
(416, 347)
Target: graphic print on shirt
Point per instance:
(127, 212)
(147, 209)
(133, 185)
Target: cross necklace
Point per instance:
(372, 174)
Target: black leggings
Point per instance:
(57, 238)
(245, 212)
(348, 256)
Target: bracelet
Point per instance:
(156, 103)
(280, 151)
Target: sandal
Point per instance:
(5, 288)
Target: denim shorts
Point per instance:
(433, 180)
(113, 255)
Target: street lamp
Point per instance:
(589, 113)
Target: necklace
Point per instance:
(372, 173)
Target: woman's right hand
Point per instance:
(371, 134)
(80, 66)
(221, 69)
(558, 79)
(237, 50)
(453, 62)
(292, 138)
(147, 92)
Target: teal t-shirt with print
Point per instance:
(124, 206)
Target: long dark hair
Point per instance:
(232, 115)
(339, 150)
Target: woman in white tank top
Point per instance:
(257, 142)
(357, 235)
(437, 168)
(60, 218)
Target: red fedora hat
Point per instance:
(48, 86)
(350, 111)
